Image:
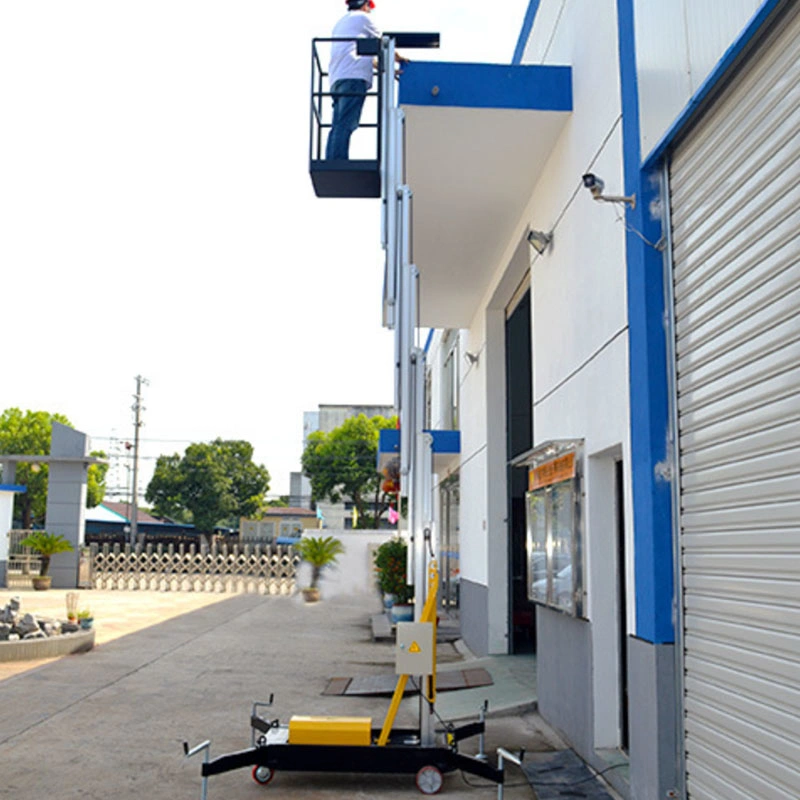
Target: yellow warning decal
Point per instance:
(415, 648)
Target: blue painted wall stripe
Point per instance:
(649, 398)
(443, 441)
(524, 34)
(709, 85)
(530, 88)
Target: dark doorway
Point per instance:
(519, 439)
(622, 605)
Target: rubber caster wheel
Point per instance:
(263, 775)
(429, 780)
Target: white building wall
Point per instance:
(353, 574)
(579, 321)
(579, 304)
(579, 313)
(679, 42)
(435, 362)
(6, 518)
(474, 468)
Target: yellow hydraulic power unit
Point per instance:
(331, 730)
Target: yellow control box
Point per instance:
(330, 730)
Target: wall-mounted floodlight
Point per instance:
(539, 241)
(596, 185)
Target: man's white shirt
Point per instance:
(344, 61)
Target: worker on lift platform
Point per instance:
(350, 75)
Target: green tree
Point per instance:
(29, 433)
(96, 481)
(211, 484)
(343, 464)
(165, 490)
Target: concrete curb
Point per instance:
(52, 647)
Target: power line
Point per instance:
(142, 439)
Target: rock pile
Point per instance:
(16, 626)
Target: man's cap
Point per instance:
(359, 3)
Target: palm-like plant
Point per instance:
(320, 552)
(47, 545)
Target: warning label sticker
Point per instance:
(415, 648)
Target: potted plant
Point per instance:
(85, 619)
(46, 545)
(390, 563)
(319, 552)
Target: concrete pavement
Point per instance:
(110, 723)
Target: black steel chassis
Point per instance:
(402, 754)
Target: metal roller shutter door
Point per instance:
(735, 207)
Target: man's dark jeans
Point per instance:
(348, 100)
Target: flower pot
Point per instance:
(388, 600)
(41, 582)
(311, 595)
(86, 623)
(402, 612)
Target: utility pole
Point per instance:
(137, 408)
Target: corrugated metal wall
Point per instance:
(735, 205)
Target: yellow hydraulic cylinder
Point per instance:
(330, 730)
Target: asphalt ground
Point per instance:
(173, 667)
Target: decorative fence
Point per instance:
(236, 569)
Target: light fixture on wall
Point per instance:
(472, 358)
(539, 240)
(596, 186)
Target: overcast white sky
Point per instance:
(157, 218)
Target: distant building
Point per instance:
(278, 523)
(326, 419)
(299, 490)
(112, 522)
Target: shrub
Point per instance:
(390, 562)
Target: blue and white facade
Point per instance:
(661, 335)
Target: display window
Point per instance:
(554, 535)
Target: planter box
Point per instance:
(52, 647)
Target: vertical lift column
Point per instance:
(401, 314)
(384, 176)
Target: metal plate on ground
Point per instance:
(561, 775)
(383, 685)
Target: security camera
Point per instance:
(594, 184)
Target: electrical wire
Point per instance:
(659, 245)
(533, 785)
(448, 726)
